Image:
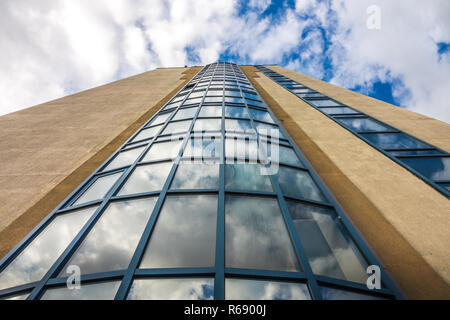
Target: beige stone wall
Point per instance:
(405, 220)
(47, 150)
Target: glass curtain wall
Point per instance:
(210, 199)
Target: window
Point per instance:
(147, 178)
(268, 130)
(203, 147)
(246, 289)
(210, 111)
(163, 150)
(436, 169)
(208, 125)
(339, 110)
(147, 133)
(37, 258)
(329, 293)
(161, 118)
(246, 177)
(326, 103)
(298, 184)
(125, 158)
(87, 291)
(196, 176)
(185, 113)
(98, 189)
(236, 112)
(113, 239)
(256, 236)
(241, 148)
(185, 233)
(260, 115)
(364, 124)
(238, 125)
(172, 289)
(280, 154)
(177, 127)
(394, 141)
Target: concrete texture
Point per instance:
(46, 151)
(402, 218)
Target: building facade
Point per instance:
(223, 182)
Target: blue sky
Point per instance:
(51, 49)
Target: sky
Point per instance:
(397, 51)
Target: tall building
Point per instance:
(223, 182)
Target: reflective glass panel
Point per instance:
(339, 110)
(196, 94)
(177, 127)
(246, 289)
(256, 236)
(161, 118)
(297, 183)
(232, 93)
(247, 176)
(172, 289)
(278, 153)
(250, 95)
(163, 150)
(364, 124)
(213, 99)
(88, 291)
(147, 133)
(210, 111)
(329, 293)
(20, 296)
(147, 178)
(208, 125)
(236, 112)
(255, 103)
(37, 258)
(185, 113)
(98, 189)
(112, 241)
(436, 169)
(206, 147)
(125, 158)
(241, 148)
(196, 176)
(192, 101)
(234, 100)
(268, 130)
(185, 233)
(324, 103)
(214, 93)
(414, 152)
(394, 141)
(238, 125)
(330, 250)
(260, 115)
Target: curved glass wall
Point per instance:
(210, 199)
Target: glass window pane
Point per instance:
(280, 154)
(342, 110)
(213, 99)
(196, 176)
(112, 241)
(172, 289)
(172, 105)
(268, 130)
(329, 293)
(232, 93)
(37, 258)
(436, 169)
(234, 100)
(251, 96)
(255, 103)
(185, 113)
(245, 289)
(177, 127)
(394, 141)
(196, 94)
(161, 118)
(256, 236)
(414, 152)
(241, 148)
(125, 158)
(147, 178)
(297, 183)
(98, 189)
(364, 124)
(163, 150)
(147, 133)
(205, 147)
(324, 103)
(192, 101)
(329, 249)
(20, 296)
(88, 291)
(208, 125)
(210, 111)
(214, 93)
(247, 176)
(236, 112)
(185, 233)
(238, 126)
(260, 115)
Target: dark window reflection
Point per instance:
(245, 289)
(436, 169)
(394, 141)
(329, 249)
(297, 183)
(89, 291)
(364, 125)
(256, 236)
(172, 289)
(112, 241)
(329, 293)
(185, 233)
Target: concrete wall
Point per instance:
(46, 151)
(404, 220)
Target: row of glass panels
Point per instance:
(184, 236)
(431, 163)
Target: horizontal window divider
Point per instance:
(89, 278)
(419, 156)
(264, 274)
(175, 272)
(375, 132)
(443, 182)
(85, 205)
(191, 191)
(135, 195)
(24, 288)
(345, 284)
(250, 193)
(143, 163)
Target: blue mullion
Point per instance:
(357, 237)
(93, 277)
(219, 280)
(346, 285)
(145, 238)
(18, 289)
(172, 272)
